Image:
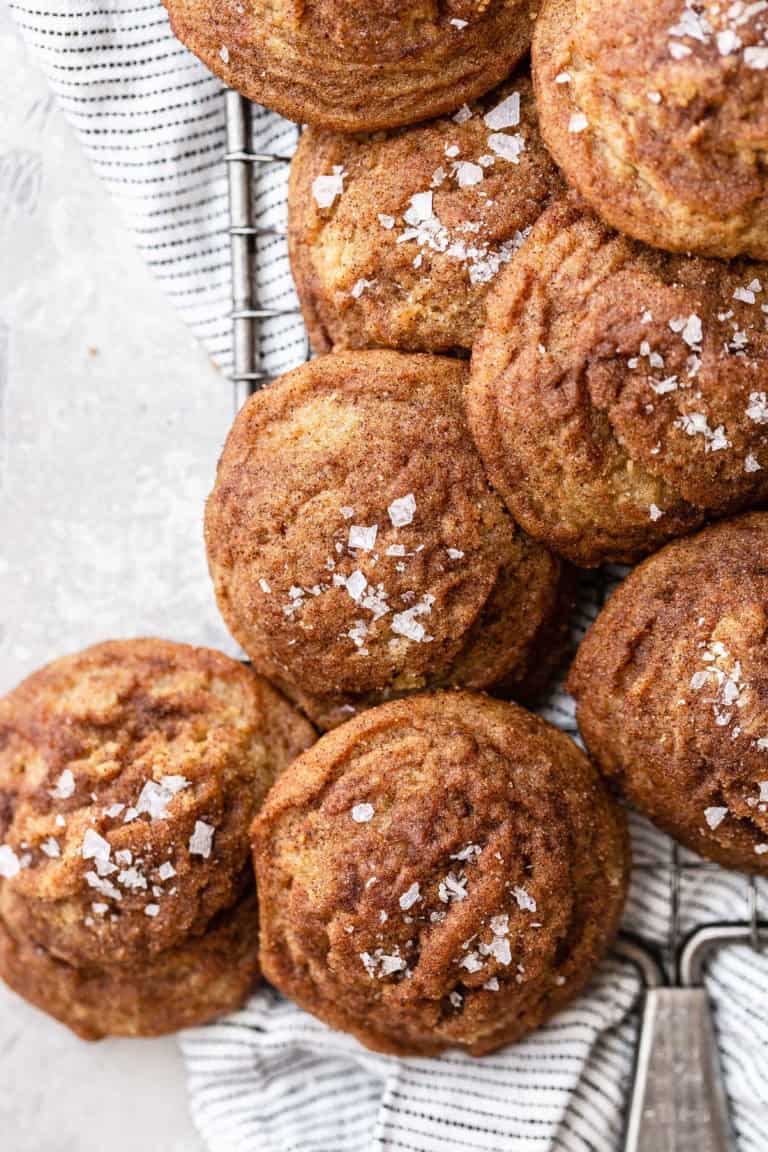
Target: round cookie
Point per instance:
(657, 112)
(618, 394)
(356, 549)
(444, 871)
(672, 690)
(394, 239)
(357, 67)
(129, 775)
(197, 980)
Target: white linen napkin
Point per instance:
(151, 119)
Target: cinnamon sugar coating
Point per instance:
(672, 690)
(419, 224)
(129, 775)
(356, 549)
(202, 977)
(657, 112)
(357, 67)
(442, 871)
(619, 394)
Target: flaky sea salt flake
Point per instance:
(363, 536)
(420, 209)
(727, 42)
(402, 511)
(524, 899)
(504, 115)
(468, 174)
(356, 584)
(360, 286)
(95, 847)
(758, 407)
(506, 146)
(64, 787)
(756, 57)
(201, 840)
(9, 862)
(326, 188)
(410, 897)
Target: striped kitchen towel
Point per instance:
(151, 120)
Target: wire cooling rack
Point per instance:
(243, 162)
(665, 1112)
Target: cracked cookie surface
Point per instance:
(670, 684)
(129, 775)
(395, 238)
(357, 67)
(657, 112)
(619, 394)
(356, 549)
(443, 871)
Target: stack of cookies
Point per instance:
(538, 288)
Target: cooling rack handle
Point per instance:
(678, 1102)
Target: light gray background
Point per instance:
(111, 420)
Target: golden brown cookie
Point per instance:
(619, 395)
(394, 239)
(441, 871)
(129, 775)
(357, 67)
(356, 549)
(672, 690)
(657, 112)
(194, 981)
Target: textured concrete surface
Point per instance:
(111, 419)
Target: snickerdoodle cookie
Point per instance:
(129, 776)
(657, 112)
(672, 690)
(357, 67)
(394, 239)
(443, 871)
(619, 395)
(356, 549)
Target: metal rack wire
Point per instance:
(241, 160)
(680, 961)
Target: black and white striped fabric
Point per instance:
(151, 120)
